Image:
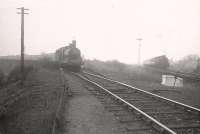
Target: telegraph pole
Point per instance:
(22, 9)
(139, 50)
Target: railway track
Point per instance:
(142, 112)
(10, 98)
(14, 95)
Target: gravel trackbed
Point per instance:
(85, 114)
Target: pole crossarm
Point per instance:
(21, 13)
(140, 39)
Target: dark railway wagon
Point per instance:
(159, 62)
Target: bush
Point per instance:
(48, 63)
(15, 74)
(2, 78)
(133, 72)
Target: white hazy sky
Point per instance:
(104, 29)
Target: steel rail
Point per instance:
(164, 129)
(149, 93)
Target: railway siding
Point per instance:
(31, 108)
(175, 116)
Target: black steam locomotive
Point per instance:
(69, 57)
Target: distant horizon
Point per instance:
(175, 60)
(105, 29)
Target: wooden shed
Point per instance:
(171, 80)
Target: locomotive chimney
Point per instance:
(74, 43)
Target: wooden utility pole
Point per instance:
(139, 50)
(22, 9)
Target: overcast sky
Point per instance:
(104, 29)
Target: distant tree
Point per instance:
(197, 69)
(45, 57)
(187, 64)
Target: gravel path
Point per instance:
(85, 114)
